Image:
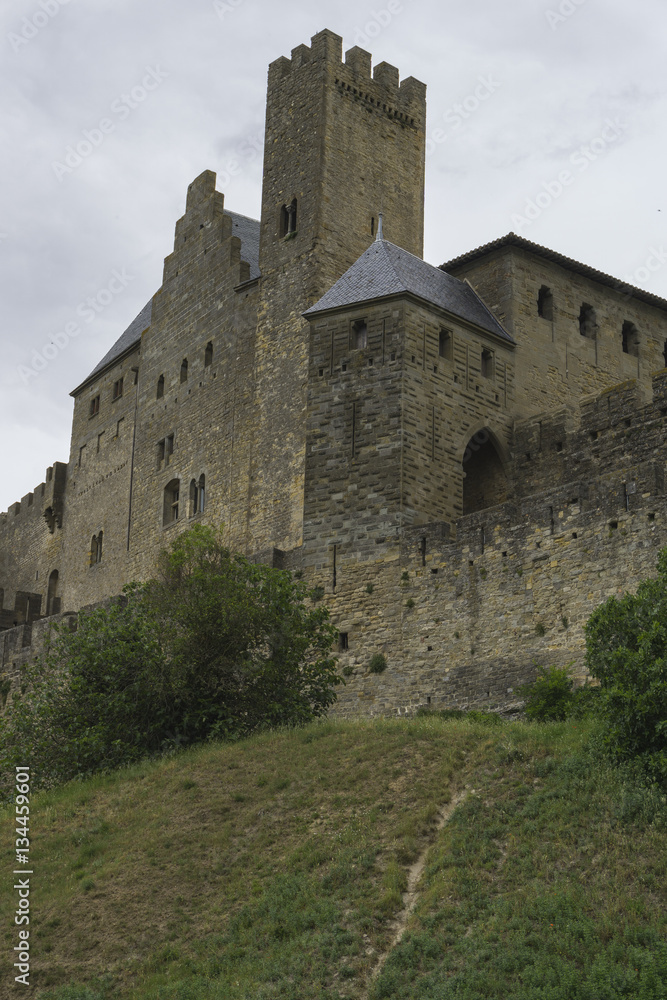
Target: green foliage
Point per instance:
(377, 663)
(549, 697)
(626, 650)
(410, 603)
(217, 648)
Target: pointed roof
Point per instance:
(385, 269)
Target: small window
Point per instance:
(630, 339)
(343, 643)
(202, 491)
(119, 427)
(359, 338)
(208, 354)
(545, 303)
(288, 218)
(184, 370)
(160, 387)
(488, 364)
(587, 322)
(664, 353)
(171, 502)
(160, 452)
(96, 549)
(99, 442)
(169, 446)
(94, 406)
(445, 345)
(197, 490)
(82, 452)
(117, 389)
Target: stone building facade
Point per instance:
(466, 458)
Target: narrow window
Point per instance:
(119, 426)
(160, 452)
(423, 551)
(168, 446)
(284, 221)
(343, 641)
(194, 498)
(117, 391)
(184, 370)
(487, 364)
(52, 599)
(664, 354)
(445, 345)
(372, 225)
(82, 451)
(630, 339)
(171, 501)
(359, 338)
(202, 493)
(99, 442)
(545, 303)
(587, 322)
(208, 354)
(160, 387)
(291, 211)
(94, 406)
(96, 549)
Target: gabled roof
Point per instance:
(385, 269)
(248, 232)
(511, 239)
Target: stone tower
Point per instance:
(340, 144)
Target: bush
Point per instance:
(626, 649)
(217, 648)
(377, 663)
(550, 696)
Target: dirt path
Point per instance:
(414, 874)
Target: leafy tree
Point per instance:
(217, 647)
(626, 649)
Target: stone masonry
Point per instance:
(466, 459)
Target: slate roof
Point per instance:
(385, 269)
(511, 239)
(248, 232)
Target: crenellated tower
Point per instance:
(341, 144)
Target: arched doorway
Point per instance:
(484, 480)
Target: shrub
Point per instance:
(626, 650)
(549, 697)
(378, 663)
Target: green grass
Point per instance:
(275, 867)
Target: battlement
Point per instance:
(378, 88)
(47, 495)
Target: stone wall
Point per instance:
(557, 364)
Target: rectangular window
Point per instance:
(445, 345)
(343, 643)
(169, 446)
(99, 441)
(488, 364)
(119, 426)
(359, 335)
(117, 389)
(94, 406)
(160, 452)
(82, 450)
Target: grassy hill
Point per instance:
(405, 859)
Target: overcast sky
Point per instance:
(546, 117)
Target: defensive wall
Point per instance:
(464, 612)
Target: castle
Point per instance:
(466, 459)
